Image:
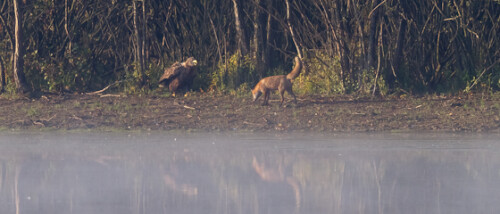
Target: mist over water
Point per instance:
(120, 173)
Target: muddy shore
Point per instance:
(209, 112)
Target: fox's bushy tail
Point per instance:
(296, 70)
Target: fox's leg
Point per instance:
(282, 93)
(290, 91)
(282, 88)
(266, 97)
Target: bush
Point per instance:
(366, 83)
(230, 76)
(321, 75)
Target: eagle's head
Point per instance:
(190, 62)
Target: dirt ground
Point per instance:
(209, 112)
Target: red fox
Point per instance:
(281, 83)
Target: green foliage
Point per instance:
(201, 81)
(131, 84)
(497, 77)
(243, 90)
(367, 81)
(32, 111)
(85, 46)
(323, 76)
(237, 71)
(488, 82)
(10, 87)
(153, 74)
(67, 74)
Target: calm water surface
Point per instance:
(120, 173)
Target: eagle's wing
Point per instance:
(171, 72)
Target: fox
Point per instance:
(281, 83)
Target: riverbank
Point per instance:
(210, 112)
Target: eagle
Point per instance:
(179, 75)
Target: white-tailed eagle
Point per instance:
(179, 75)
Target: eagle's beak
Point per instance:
(195, 62)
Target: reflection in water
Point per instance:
(277, 175)
(172, 173)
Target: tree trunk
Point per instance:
(215, 36)
(2, 77)
(18, 61)
(257, 40)
(266, 43)
(139, 57)
(299, 53)
(145, 53)
(379, 59)
(398, 53)
(66, 26)
(240, 35)
(342, 44)
(372, 35)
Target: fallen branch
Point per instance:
(110, 95)
(38, 123)
(76, 117)
(189, 107)
(105, 88)
(49, 119)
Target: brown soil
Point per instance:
(209, 112)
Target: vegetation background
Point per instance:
(349, 46)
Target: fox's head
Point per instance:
(256, 94)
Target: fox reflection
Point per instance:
(173, 184)
(278, 174)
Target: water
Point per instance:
(120, 173)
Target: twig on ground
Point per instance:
(189, 107)
(110, 95)
(105, 88)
